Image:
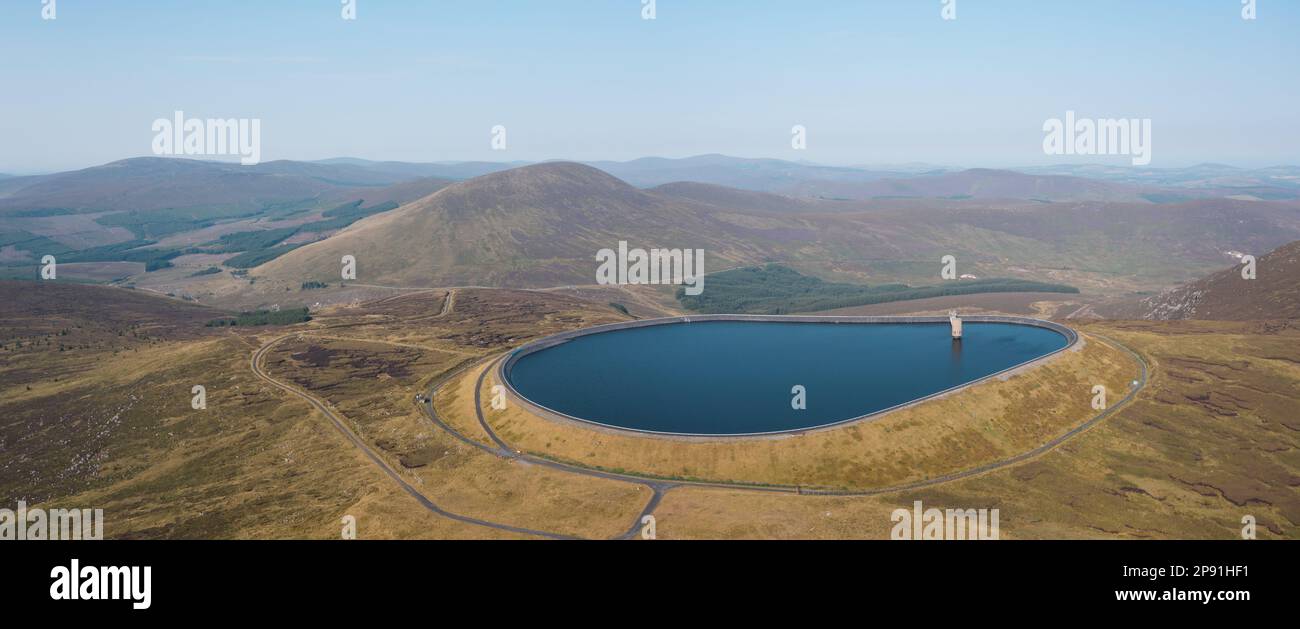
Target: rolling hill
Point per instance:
(1064, 182)
(156, 183)
(537, 225)
(765, 175)
(731, 198)
(101, 214)
(1227, 296)
(648, 172)
(45, 306)
(778, 290)
(153, 183)
(1272, 183)
(541, 225)
(442, 170)
(976, 183)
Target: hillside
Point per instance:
(1272, 183)
(864, 182)
(227, 209)
(977, 183)
(779, 290)
(109, 423)
(533, 226)
(734, 198)
(1226, 296)
(28, 309)
(764, 175)
(443, 170)
(540, 226)
(154, 183)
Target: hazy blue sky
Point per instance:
(874, 81)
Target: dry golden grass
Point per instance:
(987, 422)
(373, 384)
(1214, 436)
(254, 464)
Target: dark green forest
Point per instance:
(777, 289)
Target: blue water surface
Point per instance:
(734, 377)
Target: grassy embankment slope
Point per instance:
(540, 226)
(107, 423)
(1212, 439)
(988, 422)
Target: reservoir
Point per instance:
(736, 377)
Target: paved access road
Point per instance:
(357, 442)
(658, 487)
(505, 450)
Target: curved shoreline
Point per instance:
(1049, 446)
(659, 486)
(502, 370)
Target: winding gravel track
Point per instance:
(320, 405)
(506, 450)
(658, 487)
(255, 364)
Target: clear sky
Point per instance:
(874, 81)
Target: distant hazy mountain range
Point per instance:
(767, 175)
(540, 226)
(445, 170)
(646, 172)
(507, 224)
(1277, 182)
(150, 183)
(153, 183)
(1056, 183)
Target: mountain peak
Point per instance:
(486, 229)
(551, 184)
(552, 172)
